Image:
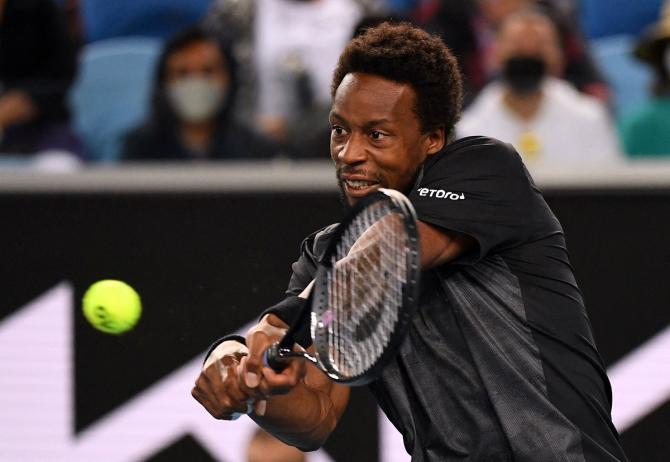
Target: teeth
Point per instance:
(359, 184)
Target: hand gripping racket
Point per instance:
(364, 294)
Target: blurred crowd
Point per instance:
(567, 82)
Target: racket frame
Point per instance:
(410, 294)
(279, 353)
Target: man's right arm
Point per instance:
(300, 405)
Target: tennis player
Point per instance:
(499, 363)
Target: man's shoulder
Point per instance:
(471, 153)
(479, 144)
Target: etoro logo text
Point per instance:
(440, 194)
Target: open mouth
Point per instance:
(355, 189)
(360, 185)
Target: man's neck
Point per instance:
(525, 106)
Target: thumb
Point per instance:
(250, 371)
(259, 339)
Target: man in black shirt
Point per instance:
(499, 363)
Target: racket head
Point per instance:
(354, 343)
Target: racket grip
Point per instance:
(273, 358)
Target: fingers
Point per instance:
(217, 390)
(230, 383)
(251, 367)
(258, 342)
(203, 393)
(260, 407)
(240, 383)
(263, 382)
(226, 390)
(250, 381)
(282, 382)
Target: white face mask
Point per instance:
(196, 99)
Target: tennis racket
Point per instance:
(364, 294)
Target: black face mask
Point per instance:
(524, 74)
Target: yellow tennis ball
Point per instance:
(112, 306)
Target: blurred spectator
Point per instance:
(193, 97)
(236, 19)
(264, 447)
(287, 50)
(469, 27)
(455, 21)
(37, 65)
(579, 69)
(646, 132)
(545, 118)
(297, 43)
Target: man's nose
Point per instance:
(353, 151)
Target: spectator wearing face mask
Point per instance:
(578, 67)
(646, 131)
(191, 116)
(544, 117)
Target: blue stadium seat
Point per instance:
(112, 91)
(602, 18)
(401, 5)
(104, 19)
(629, 79)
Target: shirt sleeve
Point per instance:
(481, 188)
(304, 270)
(311, 252)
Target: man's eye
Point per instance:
(376, 135)
(337, 130)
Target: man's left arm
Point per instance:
(439, 245)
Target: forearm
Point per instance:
(304, 417)
(308, 411)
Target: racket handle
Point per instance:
(274, 359)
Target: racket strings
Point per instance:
(365, 289)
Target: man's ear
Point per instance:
(435, 141)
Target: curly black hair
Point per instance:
(404, 53)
